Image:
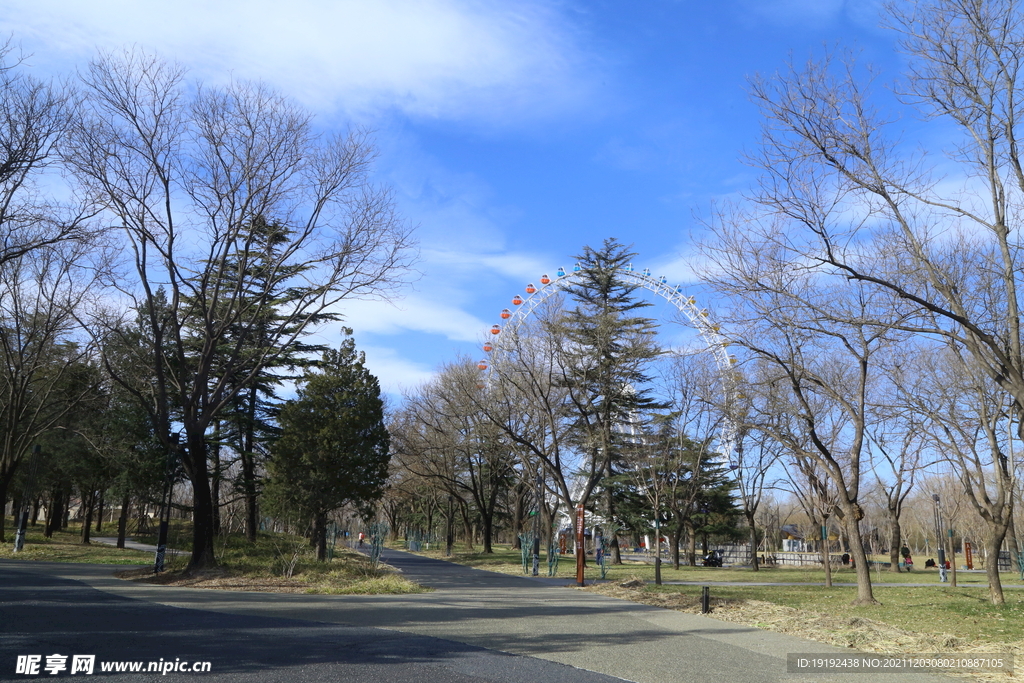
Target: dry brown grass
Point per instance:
(860, 633)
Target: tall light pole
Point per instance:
(939, 543)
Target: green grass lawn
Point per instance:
(66, 546)
(509, 561)
(933, 612)
(275, 561)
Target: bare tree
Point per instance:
(861, 200)
(444, 437)
(243, 227)
(756, 455)
(814, 342)
(35, 117)
(896, 440)
(691, 383)
(965, 424)
(42, 347)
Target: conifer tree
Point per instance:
(609, 348)
(334, 447)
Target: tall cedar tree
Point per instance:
(609, 348)
(334, 446)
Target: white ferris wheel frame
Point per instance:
(717, 344)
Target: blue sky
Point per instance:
(513, 133)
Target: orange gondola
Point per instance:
(482, 365)
(531, 288)
(487, 347)
(517, 300)
(495, 330)
(544, 279)
(506, 314)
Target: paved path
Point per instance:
(519, 616)
(135, 545)
(43, 615)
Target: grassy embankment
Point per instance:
(276, 563)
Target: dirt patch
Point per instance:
(864, 635)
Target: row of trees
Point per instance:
(205, 232)
(571, 399)
(869, 288)
(873, 275)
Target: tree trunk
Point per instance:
(194, 458)
(865, 596)
(993, 544)
(122, 521)
(895, 542)
(1011, 540)
(674, 539)
(3, 507)
(248, 456)
(517, 521)
(487, 524)
(89, 503)
(55, 515)
(616, 553)
(467, 527)
(215, 478)
(99, 512)
(35, 510)
(320, 536)
(691, 544)
(249, 490)
(753, 540)
(826, 562)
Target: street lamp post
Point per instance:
(939, 543)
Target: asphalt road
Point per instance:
(46, 615)
(475, 626)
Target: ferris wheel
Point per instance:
(699, 318)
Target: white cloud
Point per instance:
(414, 313)
(395, 373)
(434, 58)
